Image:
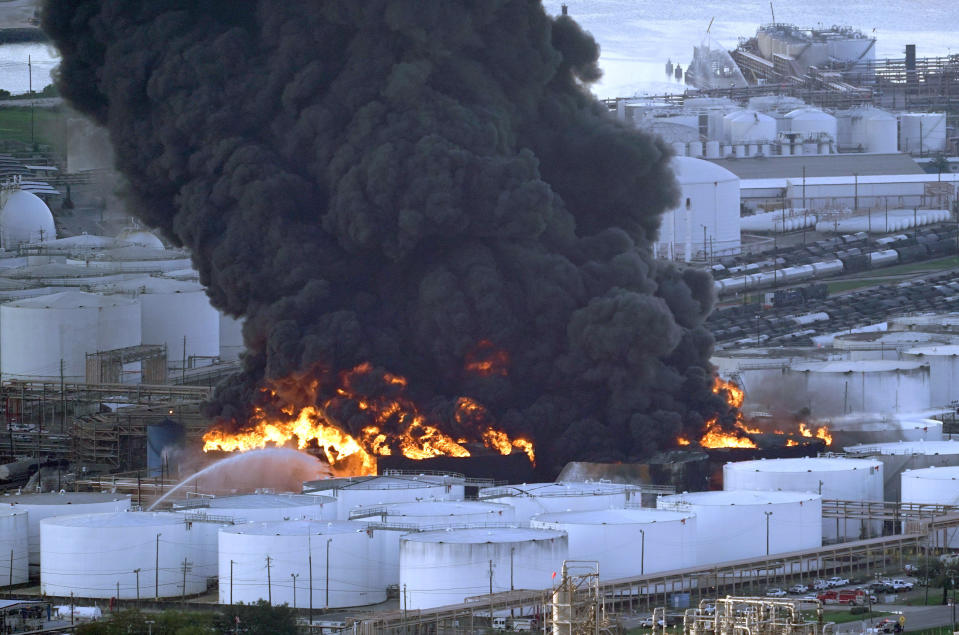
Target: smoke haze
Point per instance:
(396, 181)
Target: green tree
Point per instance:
(258, 619)
(165, 623)
(939, 164)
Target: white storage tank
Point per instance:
(344, 558)
(922, 132)
(736, 524)
(444, 567)
(367, 491)
(884, 344)
(404, 518)
(937, 486)
(746, 126)
(530, 499)
(37, 333)
(868, 129)
(943, 364)
(811, 123)
(99, 556)
(14, 541)
(40, 506)
(880, 428)
(843, 387)
(832, 477)
(906, 455)
(666, 539)
(708, 211)
(24, 219)
(141, 237)
(761, 372)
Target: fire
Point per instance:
(394, 424)
(486, 360)
(822, 432)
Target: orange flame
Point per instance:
(486, 360)
(822, 432)
(395, 425)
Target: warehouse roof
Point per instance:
(820, 165)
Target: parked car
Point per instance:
(775, 593)
(898, 584)
(820, 585)
(799, 589)
(837, 581)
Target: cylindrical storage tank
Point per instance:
(214, 513)
(712, 149)
(142, 238)
(937, 486)
(530, 499)
(922, 132)
(706, 221)
(898, 457)
(873, 130)
(885, 344)
(445, 567)
(40, 506)
(841, 387)
(695, 149)
(810, 123)
(258, 560)
(368, 491)
(943, 364)
(98, 556)
(667, 539)
(179, 315)
(879, 428)
(679, 148)
(14, 541)
(36, 334)
(736, 524)
(748, 125)
(833, 478)
(427, 516)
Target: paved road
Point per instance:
(917, 618)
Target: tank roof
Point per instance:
(434, 508)
(927, 448)
(944, 350)
(851, 340)
(632, 516)
(70, 300)
(117, 519)
(63, 498)
(262, 501)
(481, 535)
(380, 482)
(296, 528)
(738, 497)
(857, 366)
(691, 170)
(804, 464)
(947, 473)
(566, 488)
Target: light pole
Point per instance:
(294, 576)
(309, 548)
(768, 514)
(156, 573)
(642, 552)
(328, 541)
(137, 572)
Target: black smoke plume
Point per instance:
(396, 181)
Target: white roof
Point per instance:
(737, 497)
(804, 464)
(885, 179)
(266, 501)
(948, 473)
(150, 284)
(570, 488)
(296, 528)
(381, 482)
(63, 498)
(613, 517)
(481, 535)
(857, 366)
(926, 448)
(117, 519)
(809, 114)
(946, 350)
(70, 300)
(691, 170)
(437, 508)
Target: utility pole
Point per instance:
(156, 572)
(642, 552)
(231, 583)
(768, 514)
(328, 541)
(309, 548)
(33, 137)
(137, 572)
(294, 576)
(269, 584)
(491, 592)
(186, 566)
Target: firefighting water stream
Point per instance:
(280, 469)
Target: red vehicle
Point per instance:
(845, 596)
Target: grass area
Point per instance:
(844, 616)
(850, 285)
(938, 263)
(49, 127)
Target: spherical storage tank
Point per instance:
(98, 555)
(842, 387)
(709, 198)
(899, 457)
(14, 543)
(426, 516)
(530, 499)
(627, 542)
(37, 333)
(260, 560)
(444, 567)
(25, 219)
(937, 486)
(811, 123)
(367, 491)
(40, 506)
(833, 478)
(732, 525)
(943, 364)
